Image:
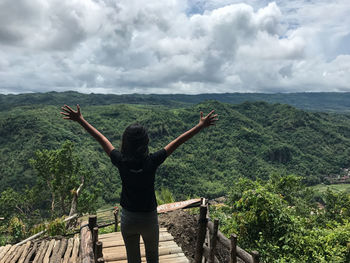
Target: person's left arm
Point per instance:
(73, 115)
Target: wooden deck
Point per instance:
(114, 248)
(44, 251)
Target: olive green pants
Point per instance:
(136, 224)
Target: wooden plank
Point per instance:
(63, 248)
(68, 251)
(12, 254)
(18, 253)
(162, 229)
(142, 247)
(55, 249)
(8, 254)
(175, 257)
(86, 253)
(38, 253)
(122, 254)
(25, 252)
(42, 254)
(4, 251)
(48, 251)
(32, 251)
(117, 243)
(120, 238)
(178, 205)
(75, 251)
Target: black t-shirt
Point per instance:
(138, 181)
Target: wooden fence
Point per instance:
(207, 241)
(90, 246)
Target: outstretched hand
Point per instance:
(71, 114)
(208, 120)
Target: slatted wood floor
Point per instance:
(114, 248)
(44, 251)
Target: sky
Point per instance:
(174, 46)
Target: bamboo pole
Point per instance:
(202, 222)
(213, 241)
(233, 248)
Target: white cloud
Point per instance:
(175, 46)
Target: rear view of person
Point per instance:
(137, 168)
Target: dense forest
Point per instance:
(314, 101)
(276, 149)
(250, 140)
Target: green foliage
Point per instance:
(280, 219)
(106, 230)
(164, 196)
(59, 171)
(251, 140)
(56, 227)
(16, 229)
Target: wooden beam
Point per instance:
(86, 252)
(233, 248)
(202, 229)
(213, 241)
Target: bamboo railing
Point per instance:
(237, 254)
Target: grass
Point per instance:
(334, 187)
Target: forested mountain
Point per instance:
(322, 101)
(253, 139)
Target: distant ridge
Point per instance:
(313, 101)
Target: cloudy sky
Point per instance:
(174, 46)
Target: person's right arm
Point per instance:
(73, 115)
(204, 122)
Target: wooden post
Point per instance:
(233, 248)
(213, 241)
(86, 252)
(92, 222)
(256, 256)
(201, 234)
(94, 240)
(116, 212)
(99, 250)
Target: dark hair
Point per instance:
(134, 147)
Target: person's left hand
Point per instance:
(71, 114)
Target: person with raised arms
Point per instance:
(137, 168)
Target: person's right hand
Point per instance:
(208, 120)
(71, 114)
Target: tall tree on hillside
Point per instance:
(59, 171)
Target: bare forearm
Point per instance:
(188, 135)
(105, 143)
(171, 147)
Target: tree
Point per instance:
(59, 171)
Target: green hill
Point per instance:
(313, 101)
(251, 140)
